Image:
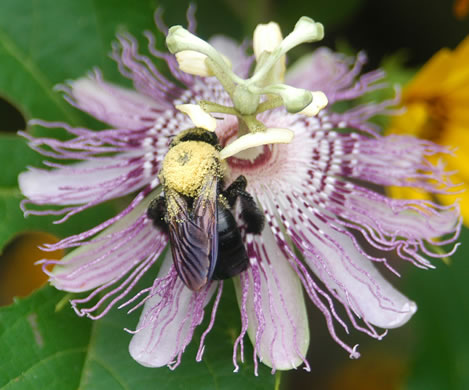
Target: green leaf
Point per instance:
(441, 324)
(14, 223)
(16, 155)
(45, 42)
(43, 349)
(58, 350)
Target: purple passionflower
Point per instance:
(318, 194)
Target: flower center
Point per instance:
(249, 159)
(252, 158)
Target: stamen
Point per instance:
(270, 136)
(200, 117)
(318, 103)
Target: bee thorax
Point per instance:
(187, 164)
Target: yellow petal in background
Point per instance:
(407, 193)
(462, 197)
(411, 122)
(429, 80)
(457, 139)
(445, 73)
(436, 105)
(462, 51)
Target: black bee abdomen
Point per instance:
(232, 257)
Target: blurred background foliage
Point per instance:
(45, 42)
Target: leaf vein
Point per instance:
(86, 362)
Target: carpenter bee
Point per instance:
(206, 242)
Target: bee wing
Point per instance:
(194, 237)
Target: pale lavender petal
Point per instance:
(395, 218)
(328, 68)
(344, 270)
(101, 178)
(114, 105)
(277, 319)
(168, 320)
(400, 161)
(112, 254)
(332, 73)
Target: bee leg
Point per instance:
(232, 191)
(250, 212)
(156, 212)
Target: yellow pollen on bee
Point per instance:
(187, 164)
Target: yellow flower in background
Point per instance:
(437, 109)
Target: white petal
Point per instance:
(116, 251)
(119, 107)
(200, 117)
(285, 338)
(270, 136)
(167, 333)
(357, 281)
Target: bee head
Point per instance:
(196, 134)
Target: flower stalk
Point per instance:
(267, 80)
